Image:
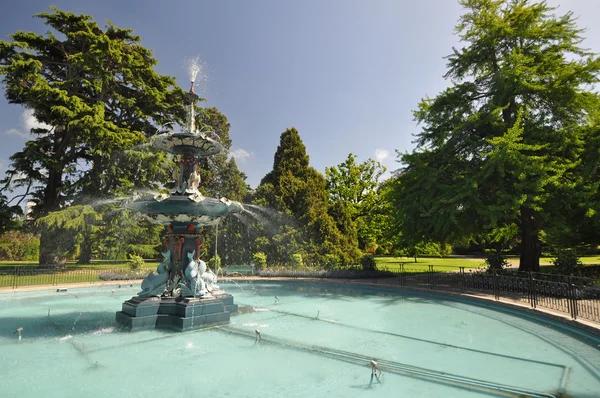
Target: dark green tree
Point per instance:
(299, 193)
(220, 177)
(502, 149)
(9, 215)
(98, 92)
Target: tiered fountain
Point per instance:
(183, 294)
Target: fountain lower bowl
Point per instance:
(181, 209)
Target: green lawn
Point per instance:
(439, 264)
(453, 263)
(73, 264)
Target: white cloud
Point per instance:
(381, 154)
(28, 122)
(241, 154)
(16, 132)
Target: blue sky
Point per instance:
(346, 73)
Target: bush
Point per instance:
(380, 251)
(297, 260)
(332, 261)
(135, 263)
(567, 262)
(215, 262)
(368, 262)
(19, 246)
(496, 261)
(260, 259)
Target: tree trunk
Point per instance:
(531, 246)
(86, 246)
(51, 202)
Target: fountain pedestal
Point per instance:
(176, 313)
(181, 294)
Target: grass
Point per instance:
(91, 273)
(73, 264)
(443, 264)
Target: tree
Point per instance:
(502, 149)
(220, 177)
(356, 185)
(99, 96)
(298, 192)
(8, 215)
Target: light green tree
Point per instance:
(502, 150)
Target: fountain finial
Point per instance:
(192, 88)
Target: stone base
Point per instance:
(176, 313)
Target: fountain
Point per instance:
(183, 294)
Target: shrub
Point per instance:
(260, 259)
(368, 262)
(19, 246)
(215, 262)
(567, 262)
(496, 261)
(135, 262)
(380, 251)
(332, 261)
(297, 261)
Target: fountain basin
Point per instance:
(207, 211)
(317, 340)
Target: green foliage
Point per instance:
(135, 263)
(368, 262)
(495, 260)
(260, 259)
(98, 96)
(354, 192)
(302, 223)
(9, 215)
(507, 149)
(19, 246)
(332, 261)
(567, 262)
(215, 262)
(297, 261)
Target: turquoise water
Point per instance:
(317, 342)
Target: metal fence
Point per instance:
(14, 277)
(576, 296)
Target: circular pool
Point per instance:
(316, 340)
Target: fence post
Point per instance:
(14, 278)
(572, 298)
(431, 278)
(532, 293)
(402, 274)
(496, 287)
(462, 279)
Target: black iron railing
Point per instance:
(576, 296)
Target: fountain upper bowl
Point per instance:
(174, 209)
(191, 144)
